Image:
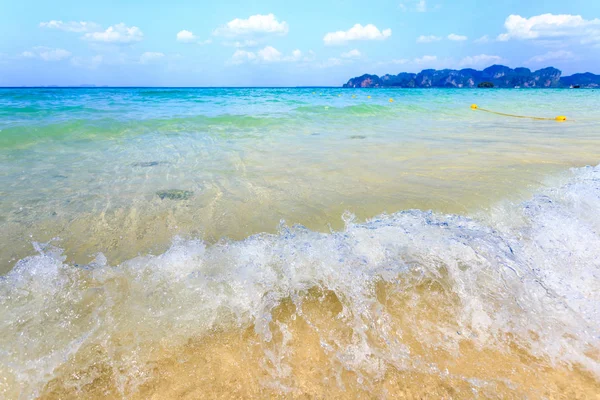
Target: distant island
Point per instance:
(494, 76)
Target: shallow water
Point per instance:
(428, 250)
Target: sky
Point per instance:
(285, 43)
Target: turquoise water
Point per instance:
(196, 192)
(85, 164)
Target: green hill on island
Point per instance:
(494, 76)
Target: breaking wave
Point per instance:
(525, 274)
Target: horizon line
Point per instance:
(256, 87)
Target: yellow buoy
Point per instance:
(353, 96)
(391, 100)
(561, 118)
(474, 106)
(368, 97)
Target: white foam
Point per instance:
(533, 267)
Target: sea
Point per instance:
(169, 243)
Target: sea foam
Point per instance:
(527, 271)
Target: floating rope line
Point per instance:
(560, 118)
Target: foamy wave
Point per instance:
(531, 271)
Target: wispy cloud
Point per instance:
(93, 32)
(119, 33)
(457, 38)
(428, 39)
(432, 38)
(425, 60)
(551, 56)
(240, 44)
(331, 62)
(399, 61)
(47, 53)
(150, 56)
(351, 54)
(73, 26)
(270, 54)
(480, 60)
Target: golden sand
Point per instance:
(295, 364)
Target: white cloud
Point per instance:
(483, 39)
(242, 56)
(269, 54)
(73, 26)
(426, 60)
(119, 33)
(428, 39)
(150, 56)
(255, 24)
(551, 26)
(457, 38)
(357, 32)
(551, 55)
(296, 55)
(186, 36)
(480, 60)
(351, 54)
(47, 53)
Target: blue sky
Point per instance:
(285, 43)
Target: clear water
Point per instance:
(155, 240)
